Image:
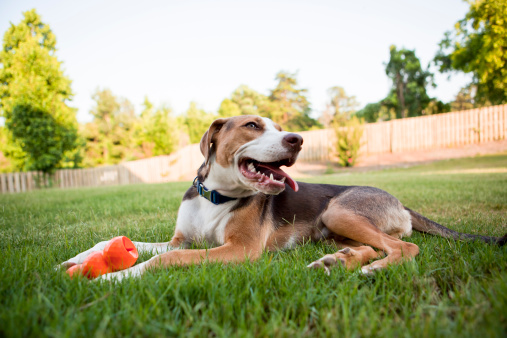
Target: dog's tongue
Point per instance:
(292, 184)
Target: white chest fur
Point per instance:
(199, 220)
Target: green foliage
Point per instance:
(287, 105)
(41, 136)
(110, 137)
(33, 93)
(117, 134)
(245, 101)
(478, 46)
(341, 104)
(376, 112)
(464, 100)
(348, 140)
(380, 111)
(408, 95)
(436, 107)
(291, 108)
(15, 157)
(5, 164)
(340, 107)
(197, 121)
(157, 131)
(228, 108)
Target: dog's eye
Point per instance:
(252, 125)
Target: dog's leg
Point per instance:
(346, 223)
(225, 254)
(152, 248)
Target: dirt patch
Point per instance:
(402, 159)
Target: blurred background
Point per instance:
(104, 83)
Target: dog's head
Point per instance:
(243, 154)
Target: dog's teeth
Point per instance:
(271, 177)
(282, 180)
(251, 166)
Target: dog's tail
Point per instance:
(426, 225)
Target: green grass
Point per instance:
(452, 288)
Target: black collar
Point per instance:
(211, 195)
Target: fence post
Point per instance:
(393, 136)
(3, 183)
(23, 182)
(10, 182)
(29, 181)
(17, 188)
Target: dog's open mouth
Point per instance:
(268, 174)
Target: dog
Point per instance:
(242, 203)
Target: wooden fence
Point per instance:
(166, 168)
(416, 133)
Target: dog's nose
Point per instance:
(292, 141)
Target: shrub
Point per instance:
(348, 140)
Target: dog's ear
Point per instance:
(209, 137)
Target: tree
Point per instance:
(436, 107)
(43, 138)
(6, 165)
(244, 101)
(197, 121)
(290, 108)
(116, 134)
(41, 127)
(157, 130)
(98, 133)
(464, 100)
(110, 136)
(376, 112)
(287, 105)
(341, 107)
(370, 112)
(478, 46)
(228, 108)
(408, 96)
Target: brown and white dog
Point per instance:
(243, 156)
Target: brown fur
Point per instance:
(228, 142)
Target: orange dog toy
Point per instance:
(119, 253)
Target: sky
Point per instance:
(176, 52)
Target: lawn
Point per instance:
(452, 288)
